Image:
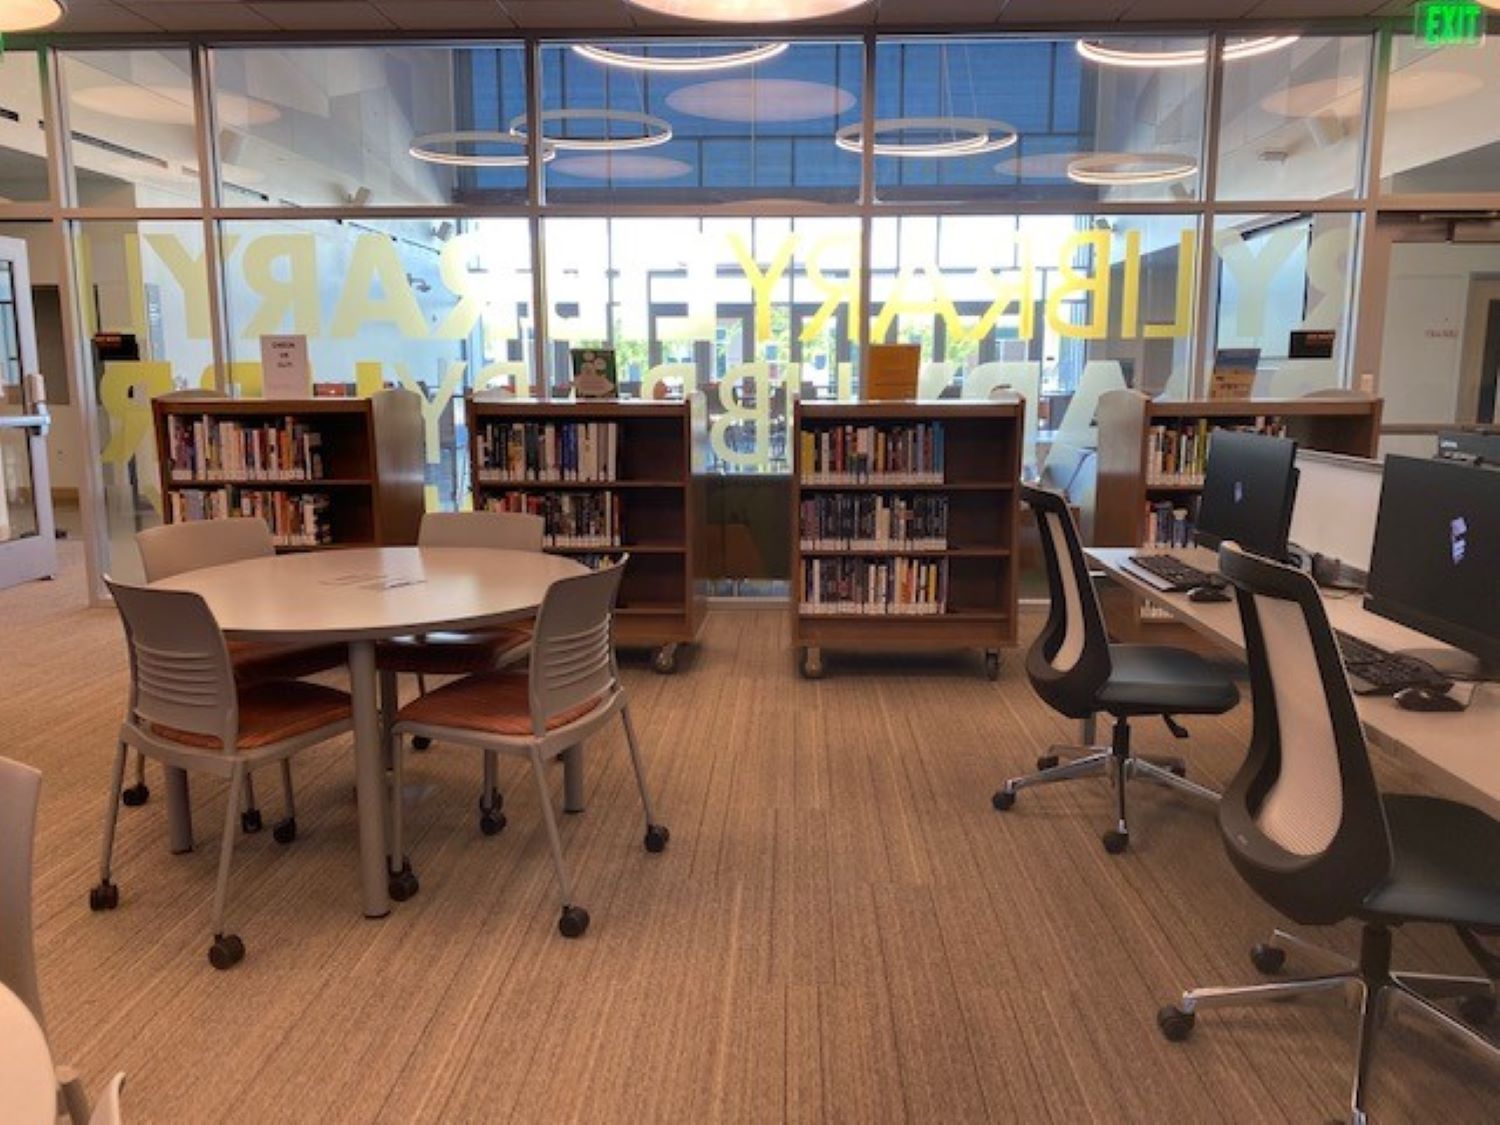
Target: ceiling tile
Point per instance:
(445, 15)
(323, 15)
(1186, 10)
(561, 14)
(1314, 9)
(1046, 12)
(915, 13)
(194, 15)
(101, 16)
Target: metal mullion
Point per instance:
(865, 288)
(1358, 314)
(535, 197)
(1205, 317)
(208, 187)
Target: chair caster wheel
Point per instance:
(574, 920)
(1176, 1025)
(1267, 958)
(285, 831)
(1003, 799)
(250, 821)
(1478, 1010)
(1046, 762)
(106, 896)
(493, 803)
(403, 884)
(491, 823)
(657, 836)
(420, 742)
(226, 952)
(1116, 842)
(135, 796)
(1177, 769)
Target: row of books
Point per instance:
(872, 522)
(882, 587)
(547, 451)
(906, 453)
(219, 449)
(1168, 525)
(573, 519)
(1177, 452)
(295, 519)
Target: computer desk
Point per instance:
(1458, 752)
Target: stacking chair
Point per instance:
(1306, 827)
(571, 690)
(1079, 673)
(187, 710)
(174, 548)
(19, 788)
(460, 654)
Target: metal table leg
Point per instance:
(369, 779)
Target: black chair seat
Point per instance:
(1445, 865)
(1155, 680)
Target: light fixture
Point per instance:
(443, 148)
(760, 100)
(654, 130)
(1109, 55)
(679, 64)
(30, 15)
(1124, 169)
(969, 136)
(748, 11)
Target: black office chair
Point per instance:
(1307, 828)
(1079, 673)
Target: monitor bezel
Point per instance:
(1212, 540)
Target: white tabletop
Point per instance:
(370, 593)
(28, 1084)
(1458, 751)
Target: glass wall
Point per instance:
(1442, 134)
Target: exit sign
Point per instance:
(1449, 23)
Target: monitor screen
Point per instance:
(1436, 557)
(1248, 490)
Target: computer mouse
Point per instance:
(1208, 594)
(1426, 699)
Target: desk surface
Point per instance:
(1460, 751)
(370, 593)
(28, 1085)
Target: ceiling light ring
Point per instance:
(1112, 169)
(983, 134)
(657, 130)
(1100, 52)
(425, 148)
(737, 11)
(33, 15)
(680, 64)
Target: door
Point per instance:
(28, 547)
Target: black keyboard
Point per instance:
(1174, 572)
(1373, 671)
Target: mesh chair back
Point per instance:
(1069, 662)
(19, 788)
(572, 649)
(1303, 819)
(180, 674)
(174, 548)
(496, 531)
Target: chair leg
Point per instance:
(1436, 986)
(402, 882)
(227, 949)
(250, 819)
(421, 742)
(1280, 939)
(1118, 839)
(139, 792)
(106, 896)
(574, 918)
(1371, 1015)
(1243, 995)
(635, 761)
(1459, 1030)
(1153, 772)
(491, 800)
(286, 828)
(73, 1096)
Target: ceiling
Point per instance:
(239, 17)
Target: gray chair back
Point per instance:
(19, 788)
(174, 548)
(496, 531)
(572, 649)
(180, 673)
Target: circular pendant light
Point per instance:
(30, 15)
(748, 11)
(443, 148)
(679, 64)
(654, 130)
(1106, 54)
(969, 136)
(1125, 169)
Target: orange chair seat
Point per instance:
(489, 703)
(255, 661)
(452, 654)
(270, 712)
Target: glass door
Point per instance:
(27, 546)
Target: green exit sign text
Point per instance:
(1449, 23)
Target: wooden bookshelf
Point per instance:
(660, 449)
(979, 484)
(372, 462)
(1348, 425)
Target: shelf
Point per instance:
(622, 548)
(1174, 487)
(962, 617)
(865, 486)
(290, 548)
(588, 485)
(311, 485)
(650, 609)
(890, 552)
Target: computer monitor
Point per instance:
(1473, 448)
(1435, 565)
(1248, 491)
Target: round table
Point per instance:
(357, 597)
(28, 1084)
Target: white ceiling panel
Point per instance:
(445, 15)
